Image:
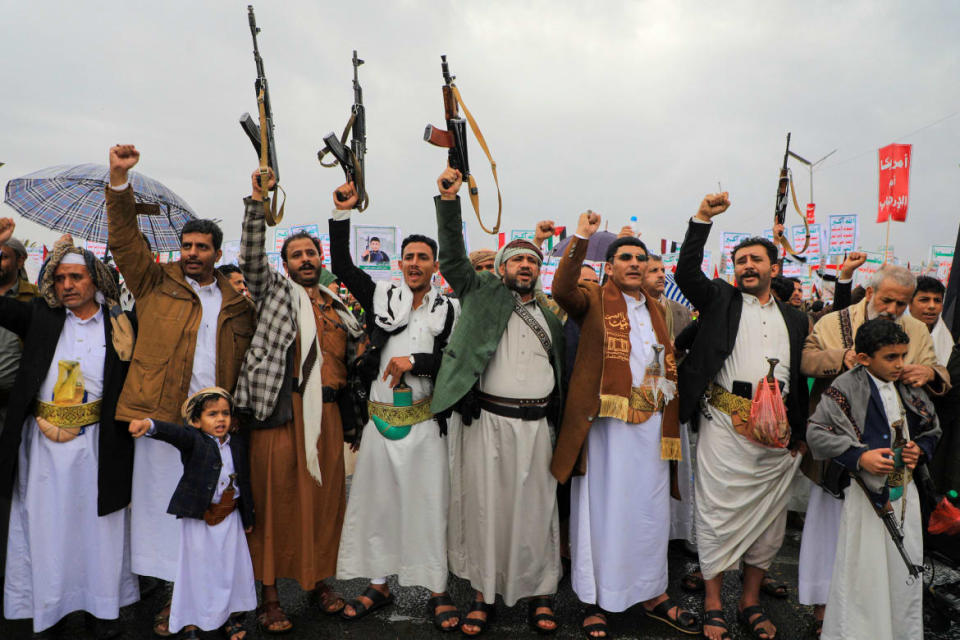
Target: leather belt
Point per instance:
(71, 416)
(524, 409)
(330, 394)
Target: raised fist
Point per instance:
(713, 204)
(588, 223)
(259, 191)
(545, 229)
(123, 157)
(345, 196)
(449, 183)
(7, 225)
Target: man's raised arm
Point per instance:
(697, 288)
(357, 281)
(253, 256)
(141, 273)
(566, 290)
(454, 263)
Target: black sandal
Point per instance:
(534, 619)
(481, 624)
(377, 601)
(233, 626)
(685, 622)
(438, 619)
(758, 633)
(593, 611)
(779, 590)
(192, 634)
(714, 618)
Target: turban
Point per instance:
(481, 255)
(68, 254)
(516, 248)
(21, 251)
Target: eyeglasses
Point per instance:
(629, 257)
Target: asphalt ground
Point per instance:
(406, 617)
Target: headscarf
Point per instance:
(481, 255)
(201, 397)
(21, 251)
(99, 272)
(515, 248)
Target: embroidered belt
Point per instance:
(72, 416)
(730, 403)
(394, 422)
(646, 400)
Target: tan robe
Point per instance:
(297, 533)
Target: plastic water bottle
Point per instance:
(633, 224)
(953, 497)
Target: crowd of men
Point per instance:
(497, 429)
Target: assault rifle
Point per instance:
(784, 189)
(351, 159)
(889, 521)
(261, 136)
(454, 139)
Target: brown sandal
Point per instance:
(161, 621)
(269, 615)
(331, 603)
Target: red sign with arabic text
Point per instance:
(894, 182)
(811, 207)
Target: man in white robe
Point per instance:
(66, 462)
(621, 424)
(743, 477)
(396, 519)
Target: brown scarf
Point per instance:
(616, 379)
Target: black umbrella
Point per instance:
(596, 246)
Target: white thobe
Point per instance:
(742, 487)
(869, 595)
(214, 571)
(504, 530)
(62, 556)
(156, 465)
(396, 520)
(942, 342)
(620, 509)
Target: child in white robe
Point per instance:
(878, 423)
(213, 500)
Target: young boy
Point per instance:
(214, 501)
(879, 429)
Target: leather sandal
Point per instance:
(684, 622)
(162, 620)
(377, 601)
(480, 623)
(593, 611)
(772, 588)
(754, 624)
(192, 634)
(269, 614)
(692, 582)
(438, 619)
(234, 626)
(534, 619)
(714, 618)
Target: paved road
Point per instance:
(406, 618)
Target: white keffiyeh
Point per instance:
(393, 302)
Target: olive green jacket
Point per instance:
(486, 307)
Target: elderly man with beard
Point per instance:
(828, 352)
(396, 520)
(64, 459)
(743, 477)
(193, 332)
(291, 394)
(502, 369)
(620, 436)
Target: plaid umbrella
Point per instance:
(71, 199)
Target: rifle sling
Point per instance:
(358, 182)
(269, 206)
(472, 183)
(806, 225)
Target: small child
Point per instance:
(214, 501)
(878, 428)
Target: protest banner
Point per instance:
(730, 240)
(842, 234)
(894, 182)
(812, 254)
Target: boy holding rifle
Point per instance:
(878, 428)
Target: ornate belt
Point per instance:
(71, 416)
(646, 400)
(394, 422)
(730, 403)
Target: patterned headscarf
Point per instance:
(481, 255)
(515, 248)
(200, 397)
(102, 278)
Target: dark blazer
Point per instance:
(201, 470)
(720, 305)
(39, 327)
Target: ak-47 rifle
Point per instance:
(780, 212)
(455, 140)
(889, 521)
(262, 136)
(351, 159)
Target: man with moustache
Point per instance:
(291, 395)
(396, 520)
(620, 436)
(194, 328)
(654, 284)
(743, 479)
(828, 352)
(65, 461)
(502, 369)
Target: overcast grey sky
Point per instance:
(628, 108)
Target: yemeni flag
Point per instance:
(951, 315)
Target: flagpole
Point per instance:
(886, 248)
